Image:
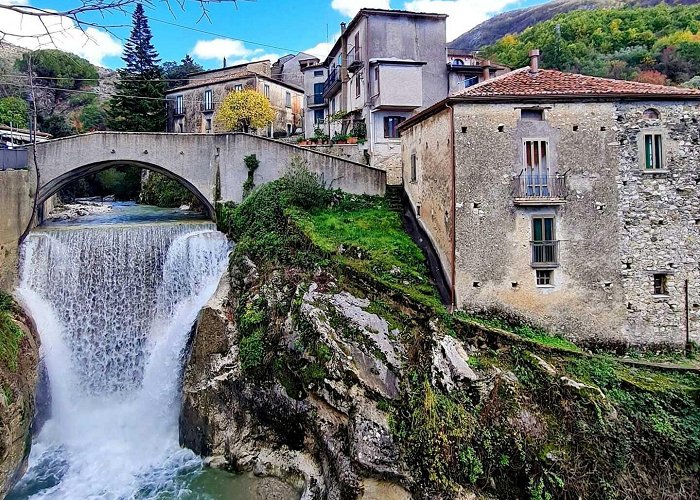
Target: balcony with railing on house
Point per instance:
(355, 59)
(332, 83)
(315, 100)
(545, 254)
(14, 158)
(539, 189)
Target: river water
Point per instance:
(114, 297)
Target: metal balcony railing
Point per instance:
(530, 187)
(355, 59)
(545, 253)
(206, 107)
(332, 81)
(14, 159)
(315, 100)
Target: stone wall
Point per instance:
(493, 235)
(16, 209)
(431, 142)
(660, 216)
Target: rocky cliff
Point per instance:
(324, 360)
(19, 359)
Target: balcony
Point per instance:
(13, 159)
(536, 189)
(355, 59)
(545, 254)
(332, 83)
(315, 101)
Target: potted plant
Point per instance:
(340, 139)
(352, 139)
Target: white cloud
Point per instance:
(351, 7)
(464, 14)
(322, 49)
(234, 51)
(29, 32)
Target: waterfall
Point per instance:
(114, 306)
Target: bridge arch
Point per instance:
(54, 185)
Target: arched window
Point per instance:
(651, 114)
(457, 62)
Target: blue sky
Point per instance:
(261, 28)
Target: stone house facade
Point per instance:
(191, 107)
(565, 200)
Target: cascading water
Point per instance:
(114, 306)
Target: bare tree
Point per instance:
(85, 8)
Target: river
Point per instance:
(114, 297)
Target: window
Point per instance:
(266, 90)
(651, 114)
(269, 130)
(333, 106)
(318, 93)
(318, 72)
(414, 168)
(238, 87)
(288, 99)
(208, 125)
(208, 100)
(660, 284)
(318, 116)
(536, 167)
(358, 85)
(457, 62)
(179, 105)
(544, 277)
(653, 151)
(289, 129)
(544, 243)
(391, 126)
(533, 115)
(182, 127)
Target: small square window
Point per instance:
(660, 284)
(533, 115)
(544, 277)
(318, 72)
(391, 126)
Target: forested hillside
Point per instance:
(657, 44)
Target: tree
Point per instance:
(244, 110)
(14, 110)
(92, 117)
(176, 73)
(56, 125)
(55, 68)
(138, 104)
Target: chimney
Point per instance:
(486, 68)
(534, 60)
(342, 27)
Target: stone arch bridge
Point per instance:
(207, 164)
(198, 161)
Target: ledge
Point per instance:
(652, 171)
(534, 202)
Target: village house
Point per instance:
(386, 66)
(191, 107)
(566, 200)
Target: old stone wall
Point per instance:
(16, 209)
(431, 192)
(660, 216)
(493, 235)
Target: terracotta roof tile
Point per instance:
(547, 82)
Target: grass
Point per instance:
(364, 234)
(10, 333)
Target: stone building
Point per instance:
(191, 107)
(565, 200)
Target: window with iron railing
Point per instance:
(208, 101)
(179, 105)
(544, 245)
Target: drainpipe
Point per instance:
(453, 286)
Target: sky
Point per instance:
(250, 30)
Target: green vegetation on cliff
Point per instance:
(10, 333)
(652, 44)
(537, 419)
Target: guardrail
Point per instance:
(545, 253)
(534, 186)
(14, 159)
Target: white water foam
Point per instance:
(114, 306)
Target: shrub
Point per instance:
(14, 110)
(164, 192)
(252, 350)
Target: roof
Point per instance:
(378, 12)
(522, 85)
(205, 82)
(551, 83)
(227, 68)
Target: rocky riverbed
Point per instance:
(72, 211)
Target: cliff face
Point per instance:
(19, 359)
(517, 21)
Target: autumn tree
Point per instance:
(244, 111)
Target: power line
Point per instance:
(98, 79)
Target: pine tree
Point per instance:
(139, 105)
